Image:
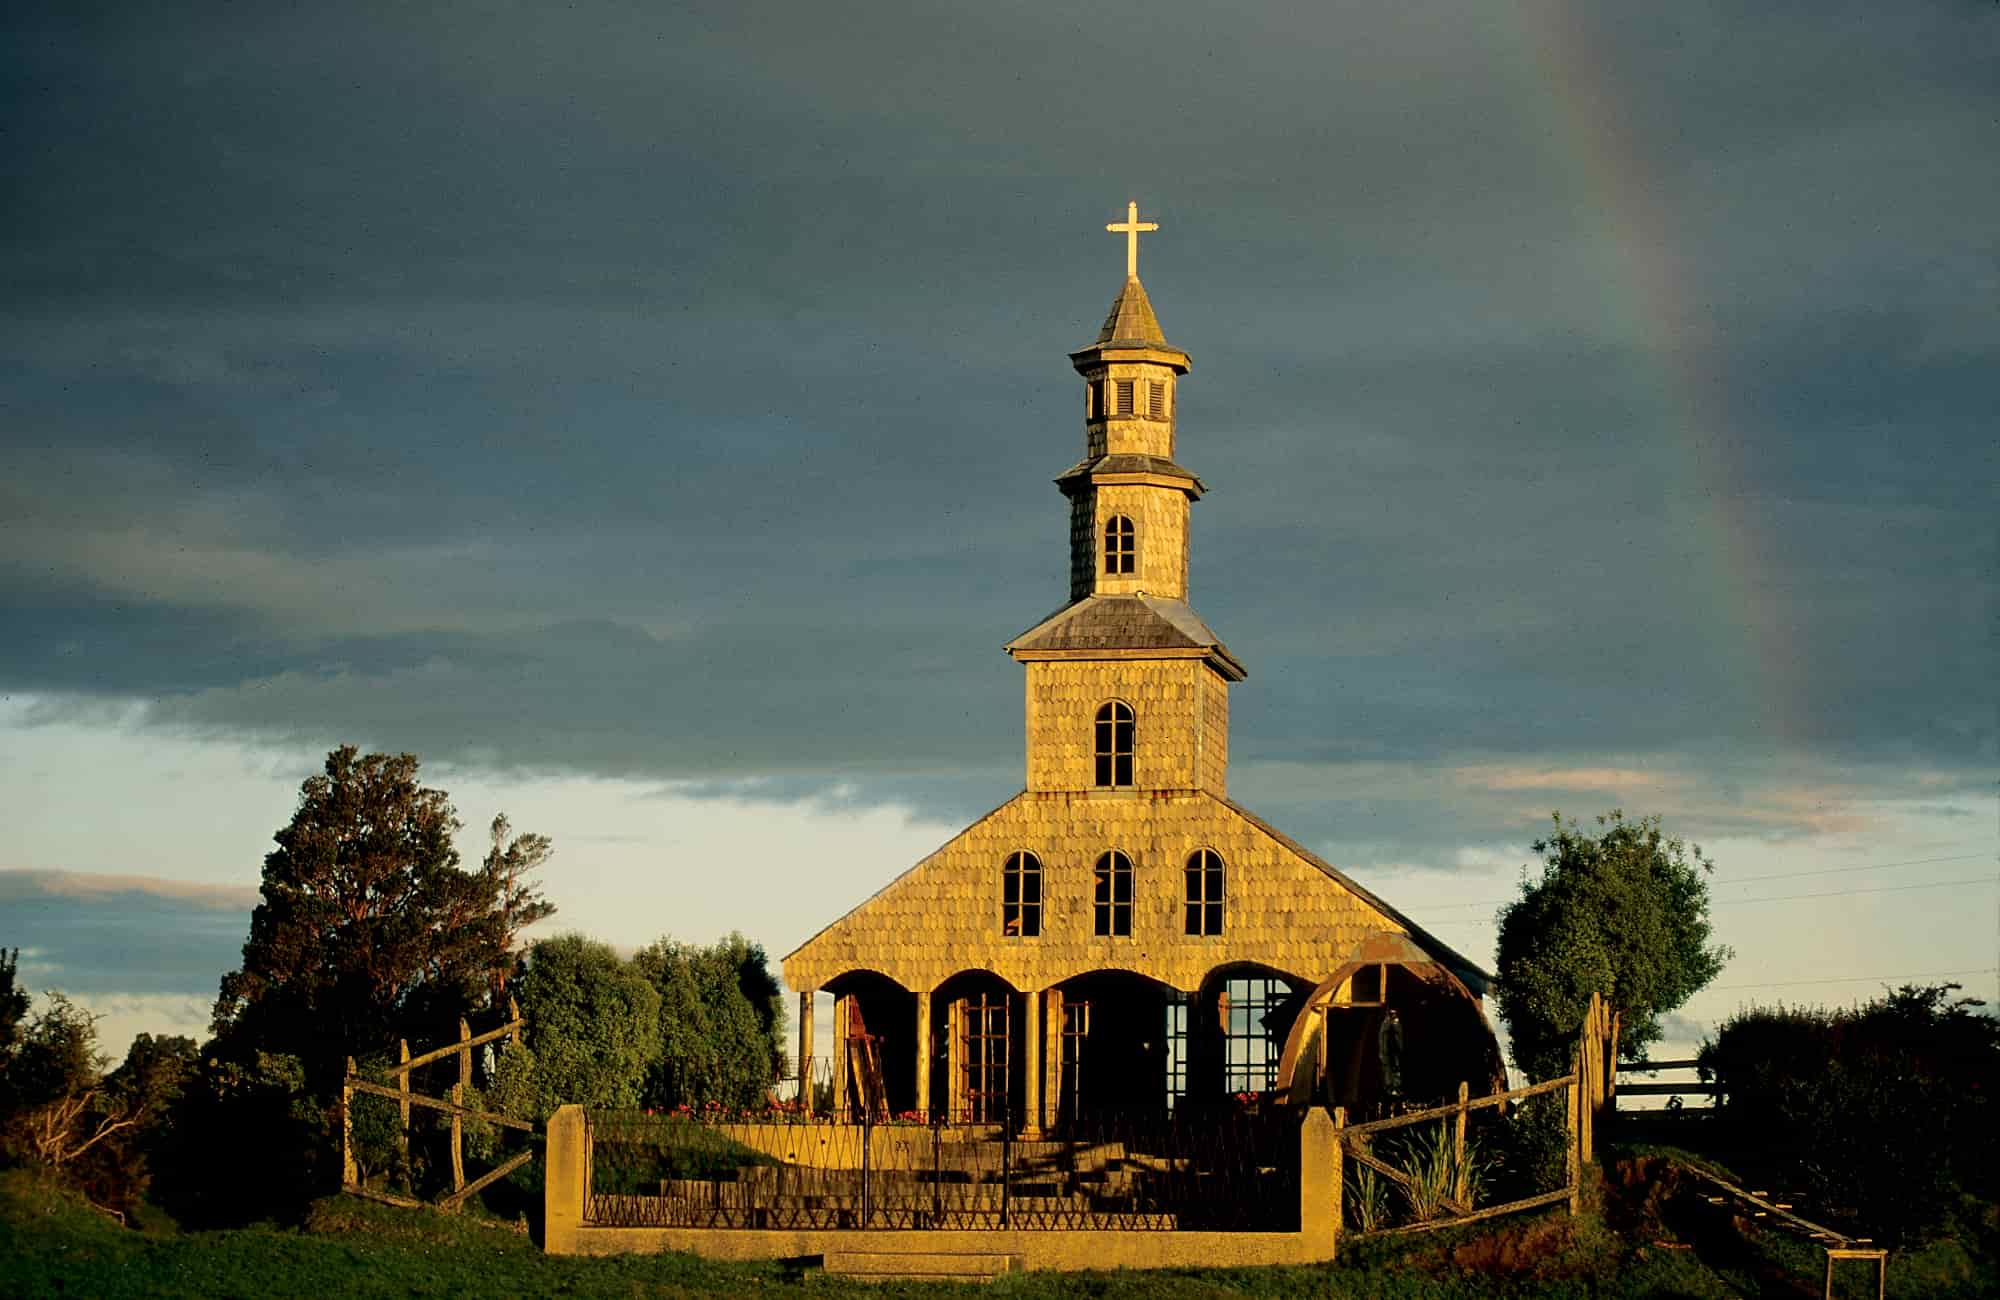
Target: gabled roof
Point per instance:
(1128, 622)
(1472, 976)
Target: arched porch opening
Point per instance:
(875, 1044)
(1108, 1034)
(1394, 1031)
(1236, 1025)
(980, 1059)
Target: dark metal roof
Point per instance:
(1130, 463)
(1134, 622)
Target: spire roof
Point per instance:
(1131, 323)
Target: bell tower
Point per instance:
(1127, 687)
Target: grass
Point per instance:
(52, 1244)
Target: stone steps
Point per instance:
(918, 1265)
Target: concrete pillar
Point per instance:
(567, 1155)
(923, 1101)
(1031, 1064)
(1055, 1045)
(1319, 1184)
(805, 1047)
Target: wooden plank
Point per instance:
(1752, 1198)
(457, 1137)
(1666, 1089)
(387, 1198)
(1490, 1212)
(487, 1179)
(442, 1052)
(418, 1099)
(1439, 1112)
(1634, 1067)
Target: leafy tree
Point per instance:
(13, 1002)
(722, 1022)
(368, 925)
(1623, 912)
(593, 1027)
(59, 1108)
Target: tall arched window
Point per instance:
(1204, 892)
(1021, 896)
(1114, 745)
(1121, 545)
(1113, 880)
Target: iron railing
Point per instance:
(1144, 1171)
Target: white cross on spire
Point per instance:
(1130, 228)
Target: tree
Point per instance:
(368, 925)
(722, 1022)
(59, 1108)
(1623, 912)
(13, 1001)
(593, 1029)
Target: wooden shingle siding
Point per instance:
(943, 916)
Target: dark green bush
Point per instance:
(1883, 1112)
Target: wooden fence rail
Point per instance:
(405, 1098)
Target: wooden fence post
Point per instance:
(350, 1173)
(1339, 1173)
(457, 1139)
(1458, 1124)
(1574, 1117)
(403, 1086)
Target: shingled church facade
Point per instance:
(1121, 933)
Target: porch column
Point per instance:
(841, 1109)
(1054, 1045)
(805, 1047)
(923, 1102)
(1031, 1062)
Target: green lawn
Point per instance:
(51, 1244)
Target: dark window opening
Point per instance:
(1021, 896)
(985, 1056)
(1114, 745)
(1176, 1039)
(1113, 904)
(1204, 892)
(1121, 545)
(1075, 1036)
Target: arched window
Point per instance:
(1113, 879)
(1021, 896)
(1204, 892)
(1121, 548)
(1114, 745)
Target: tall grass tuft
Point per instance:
(1367, 1198)
(1438, 1173)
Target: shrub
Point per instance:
(1883, 1112)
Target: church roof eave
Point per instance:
(1126, 626)
(1129, 467)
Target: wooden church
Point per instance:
(1121, 933)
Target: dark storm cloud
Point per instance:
(672, 391)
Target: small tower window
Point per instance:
(1156, 400)
(1021, 896)
(1204, 892)
(1121, 548)
(1114, 745)
(1093, 400)
(1113, 879)
(1125, 406)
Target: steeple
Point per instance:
(1127, 633)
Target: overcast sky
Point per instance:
(645, 413)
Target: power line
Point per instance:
(1827, 893)
(1857, 979)
(1783, 875)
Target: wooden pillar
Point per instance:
(923, 1103)
(805, 1048)
(1057, 1044)
(1573, 1116)
(1031, 1064)
(841, 1110)
(954, 1061)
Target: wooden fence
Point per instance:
(1587, 1090)
(406, 1098)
